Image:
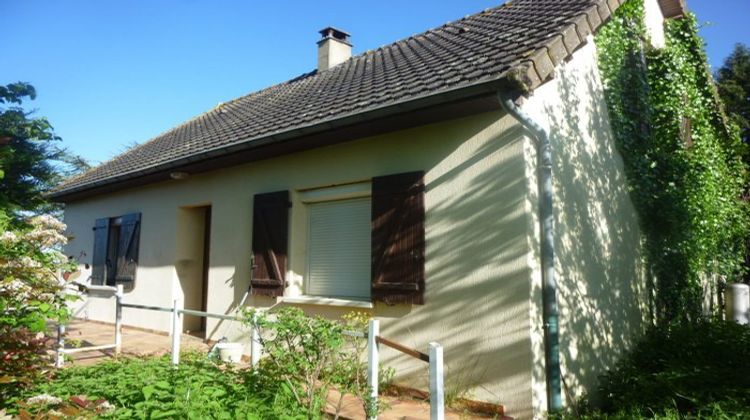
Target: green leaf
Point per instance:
(163, 385)
(148, 391)
(156, 414)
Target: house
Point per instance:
(402, 182)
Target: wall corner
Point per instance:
(654, 21)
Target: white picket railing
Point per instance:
(374, 339)
(105, 292)
(434, 358)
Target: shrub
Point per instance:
(30, 295)
(310, 355)
(299, 349)
(152, 388)
(698, 369)
(305, 358)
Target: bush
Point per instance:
(310, 355)
(306, 357)
(299, 349)
(30, 295)
(698, 369)
(153, 388)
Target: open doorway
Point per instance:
(192, 264)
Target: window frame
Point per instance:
(311, 196)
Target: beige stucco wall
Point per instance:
(477, 246)
(602, 290)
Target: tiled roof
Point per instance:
(523, 40)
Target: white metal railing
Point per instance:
(177, 325)
(374, 339)
(434, 358)
(108, 292)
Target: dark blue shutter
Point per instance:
(127, 248)
(99, 257)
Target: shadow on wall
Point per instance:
(477, 274)
(477, 259)
(478, 290)
(603, 291)
(221, 327)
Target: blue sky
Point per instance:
(112, 73)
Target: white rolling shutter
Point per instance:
(339, 249)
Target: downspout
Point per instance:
(547, 245)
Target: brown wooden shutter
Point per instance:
(99, 256)
(398, 238)
(127, 248)
(270, 232)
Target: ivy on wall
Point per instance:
(682, 157)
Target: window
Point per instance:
(338, 249)
(115, 256)
(363, 241)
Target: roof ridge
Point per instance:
(507, 3)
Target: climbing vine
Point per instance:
(682, 157)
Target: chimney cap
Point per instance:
(330, 32)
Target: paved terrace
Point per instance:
(135, 342)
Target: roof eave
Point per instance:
(673, 8)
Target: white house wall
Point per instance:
(477, 247)
(602, 290)
(654, 20)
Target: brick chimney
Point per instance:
(333, 49)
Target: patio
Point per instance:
(135, 341)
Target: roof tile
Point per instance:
(474, 49)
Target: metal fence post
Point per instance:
(60, 360)
(118, 319)
(176, 333)
(255, 345)
(373, 331)
(437, 403)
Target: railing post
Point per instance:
(256, 348)
(176, 333)
(118, 319)
(373, 331)
(60, 360)
(437, 403)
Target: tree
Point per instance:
(30, 295)
(733, 81)
(30, 247)
(31, 162)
